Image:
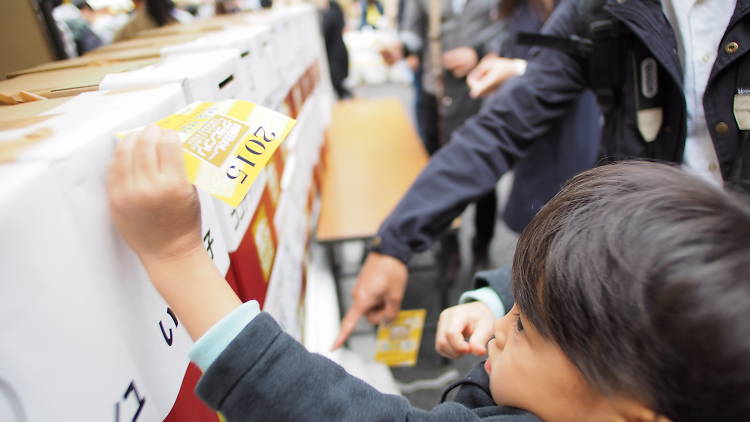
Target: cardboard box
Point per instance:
(79, 122)
(144, 42)
(51, 283)
(207, 76)
(148, 47)
(284, 296)
(247, 41)
(68, 82)
(273, 76)
(235, 221)
(196, 27)
(25, 111)
(253, 260)
(103, 58)
(112, 338)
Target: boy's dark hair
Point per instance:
(640, 272)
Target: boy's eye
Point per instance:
(519, 324)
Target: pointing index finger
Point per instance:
(347, 325)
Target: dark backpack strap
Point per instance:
(604, 67)
(598, 42)
(574, 45)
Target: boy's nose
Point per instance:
(500, 330)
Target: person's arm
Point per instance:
(486, 146)
(264, 374)
(157, 212)
(469, 166)
(258, 372)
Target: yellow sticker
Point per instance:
(227, 144)
(397, 343)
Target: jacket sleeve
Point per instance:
(499, 280)
(265, 375)
(486, 146)
(413, 28)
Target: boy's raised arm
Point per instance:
(157, 212)
(263, 374)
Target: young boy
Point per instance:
(632, 291)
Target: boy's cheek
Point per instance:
(500, 380)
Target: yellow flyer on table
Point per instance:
(227, 144)
(397, 343)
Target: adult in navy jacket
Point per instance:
(653, 36)
(570, 145)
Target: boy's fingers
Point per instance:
(457, 342)
(442, 345)
(478, 340)
(145, 159)
(171, 160)
(440, 340)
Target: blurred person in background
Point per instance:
(149, 14)
(371, 11)
(568, 148)
(78, 37)
(226, 7)
(672, 85)
(104, 22)
(338, 57)
(464, 28)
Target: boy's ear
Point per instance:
(631, 410)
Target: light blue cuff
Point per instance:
(487, 296)
(210, 345)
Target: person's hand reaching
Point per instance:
(491, 73)
(154, 206)
(377, 293)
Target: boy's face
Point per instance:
(530, 372)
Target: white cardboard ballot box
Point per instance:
(247, 41)
(205, 76)
(86, 322)
(272, 74)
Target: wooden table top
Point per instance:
(373, 155)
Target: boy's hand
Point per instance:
(153, 205)
(471, 320)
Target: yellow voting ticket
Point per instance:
(227, 144)
(397, 343)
